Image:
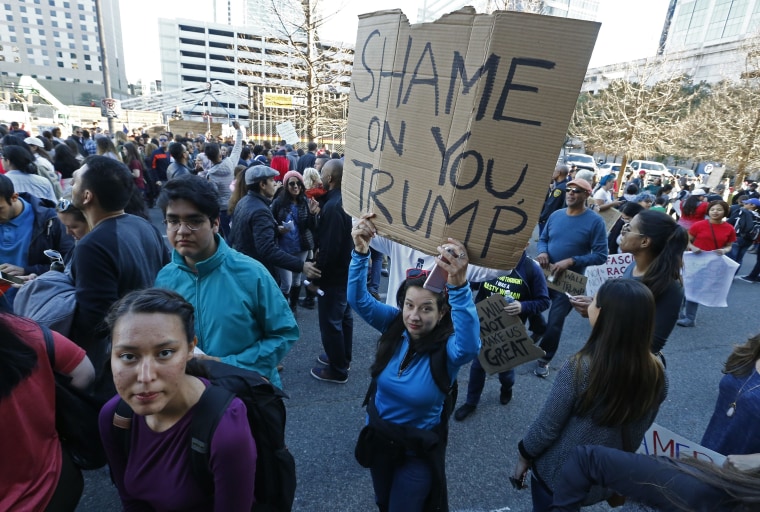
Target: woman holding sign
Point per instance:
(657, 244)
(607, 394)
(424, 342)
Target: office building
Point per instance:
(580, 9)
(56, 42)
(704, 39)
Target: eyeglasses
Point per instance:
(63, 205)
(162, 140)
(626, 230)
(414, 273)
(574, 190)
(191, 224)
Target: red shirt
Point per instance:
(280, 164)
(31, 460)
(699, 214)
(703, 235)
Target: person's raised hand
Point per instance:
(362, 233)
(452, 257)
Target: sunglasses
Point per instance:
(414, 273)
(63, 205)
(574, 190)
(294, 184)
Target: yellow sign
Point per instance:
(272, 100)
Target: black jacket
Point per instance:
(47, 233)
(334, 239)
(555, 200)
(254, 233)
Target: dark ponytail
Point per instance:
(20, 158)
(669, 241)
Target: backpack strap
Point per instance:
(208, 412)
(121, 425)
(49, 345)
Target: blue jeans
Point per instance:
(541, 495)
(224, 223)
(336, 326)
(738, 250)
(403, 487)
(558, 311)
(374, 272)
(689, 310)
(478, 380)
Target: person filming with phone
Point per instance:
(425, 339)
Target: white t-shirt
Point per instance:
(603, 195)
(403, 258)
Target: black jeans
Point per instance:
(336, 325)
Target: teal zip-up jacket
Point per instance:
(241, 315)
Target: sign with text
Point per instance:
(707, 277)
(454, 126)
(567, 282)
(110, 108)
(287, 131)
(660, 441)
(504, 339)
(273, 100)
(613, 268)
(610, 216)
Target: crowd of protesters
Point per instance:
(256, 231)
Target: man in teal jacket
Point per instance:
(241, 316)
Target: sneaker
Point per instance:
(505, 396)
(685, 322)
(308, 303)
(464, 411)
(542, 369)
(748, 279)
(384, 272)
(326, 374)
(323, 359)
(376, 296)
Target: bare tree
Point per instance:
(633, 114)
(319, 69)
(726, 125)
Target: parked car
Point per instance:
(608, 168)
(582, 160)
(653, 169)
(683, 171)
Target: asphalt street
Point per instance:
(324, 419)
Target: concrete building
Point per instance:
(264, 68)
(56, 42)
(581, 9)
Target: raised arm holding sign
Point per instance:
(491, 95)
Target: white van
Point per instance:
(653, 169)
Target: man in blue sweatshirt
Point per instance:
(574, 238)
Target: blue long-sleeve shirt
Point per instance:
(581, 237)
(411, 397)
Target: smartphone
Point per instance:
(11, 279)
(437, 279)
(518, 484)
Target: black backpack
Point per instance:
(275, 484)
(440, 373)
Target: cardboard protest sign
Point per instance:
(613, 268)
(707, 277)
(454, 126)
(610, 217)
(504, 340)
(567, 282)
(716, 176)
(660, 441)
